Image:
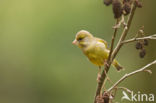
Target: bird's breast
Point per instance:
(97, 54)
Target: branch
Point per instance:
(137, 39)
(103, 76)
(112, 42)
(130, 74)
(124, 33)
(124, 88)
(113, 53)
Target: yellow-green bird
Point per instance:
(94, 48)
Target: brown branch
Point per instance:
(103, 76)
(113, 40)
(130, 74)
(137, 39)
(113, 53)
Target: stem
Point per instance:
(130, 74)
(124, 33)
(103, 76)
(113, 40)
(151, 37)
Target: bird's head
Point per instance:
(83, 38)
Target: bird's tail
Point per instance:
(117, 65)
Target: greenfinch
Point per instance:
(94, 48)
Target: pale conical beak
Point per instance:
(74, 42)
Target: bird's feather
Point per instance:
(102, 41)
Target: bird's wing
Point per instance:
(102, 41)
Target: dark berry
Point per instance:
(142, 53)
(145, 42)
(126, 8)
(138, 45)
(106, 97)
(117, 8)
(107, 2)
(138, 4)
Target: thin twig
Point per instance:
(130, 74)
(136, 39)
(122, 21)
(124, 88)
(148, 71)
(112, 41)
(117, 88)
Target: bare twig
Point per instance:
(130, 74)
(112, 42)
(124, 88)
(148, 71)
(122, 21)
(117, 88)
(142, 38)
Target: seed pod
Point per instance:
(145, 42)
(107, 2)
(139, 45)
(117, 8)
(125, 1)
(126, 8)
(142, 53)
(106, 97)
(138, 4)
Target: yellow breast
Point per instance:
(97, 53)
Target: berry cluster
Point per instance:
(121, 8)
(140, 45)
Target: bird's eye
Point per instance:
(79, 39)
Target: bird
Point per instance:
(96, 49)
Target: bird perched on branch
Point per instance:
(94, 48)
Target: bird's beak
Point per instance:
(75, 42)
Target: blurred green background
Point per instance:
(39, 64)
